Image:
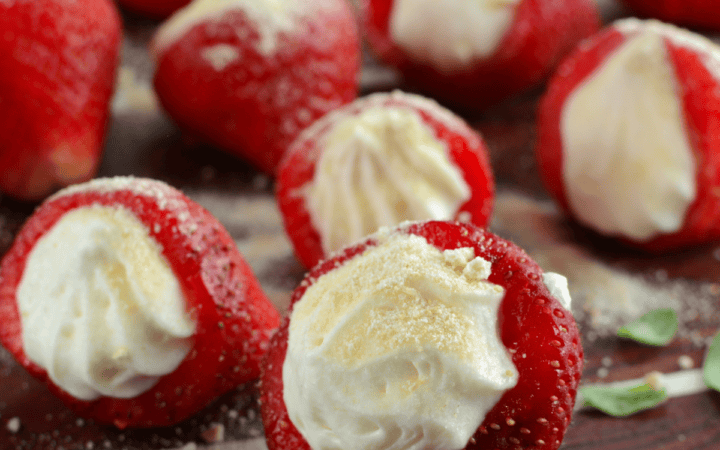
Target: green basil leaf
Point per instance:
(620, 402)
(654, 328)
(711, 368)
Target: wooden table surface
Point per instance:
(609, 284)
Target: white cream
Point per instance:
(101, 310)
(398, 348)
(450, 34)
(270, 17)
(558, 287)
(628, 166)
(379, 168)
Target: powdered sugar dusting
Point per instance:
(166, 197)
(270, 17)
(396, 99)
(257, 227)
(220, 56)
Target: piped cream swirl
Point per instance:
(379, 168)
(101, 310)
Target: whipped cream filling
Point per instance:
(380, 168)
(628, 166)
(450, 34)
(398, 348)
(101, 310)
(270, 17)
(558, 287)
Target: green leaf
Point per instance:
(711, 368)
(619, 401)
(654, 328)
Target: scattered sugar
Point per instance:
(268, 17)
(219, 56)
(604, 298)
(133, 95)
(257, 226)
(13, 425)
(685, 362)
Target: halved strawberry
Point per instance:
(132, 303)
(628, 135)
(537, 330)
(379, 161)
(57, 73)
(248, 76)
(156, 9)
(474, 54)
(692, 13)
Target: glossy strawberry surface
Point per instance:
(234, 318)
(251, 100)
(541, 34)
(697, 84)
(540, 335)
(57, 72)
(466, 150)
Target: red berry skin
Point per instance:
(541, 34)
(540, 334)
(155, 9)
(696, 85)
(57, 73)
(692, 13)
(234, 318)
(466, 150)
(256, 105)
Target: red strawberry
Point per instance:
(538, 332)
(157, 9)
(93, 294)
(628, 135)
(378, 161)
(248, 76)
(693, 13)
(57, 72)
(474, 54)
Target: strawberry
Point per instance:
(248, 76)
(474, 54)
(693, 13)
(156, 9)
(538, 331)
(75, 324)
(378, 161)
(628, 135)
(57, 72)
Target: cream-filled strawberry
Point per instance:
(627, 131)
(132, 302)
(476, 53)
(249, 75)
(379, 161)
(57, 73)
(432, 335)
(692, 13)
